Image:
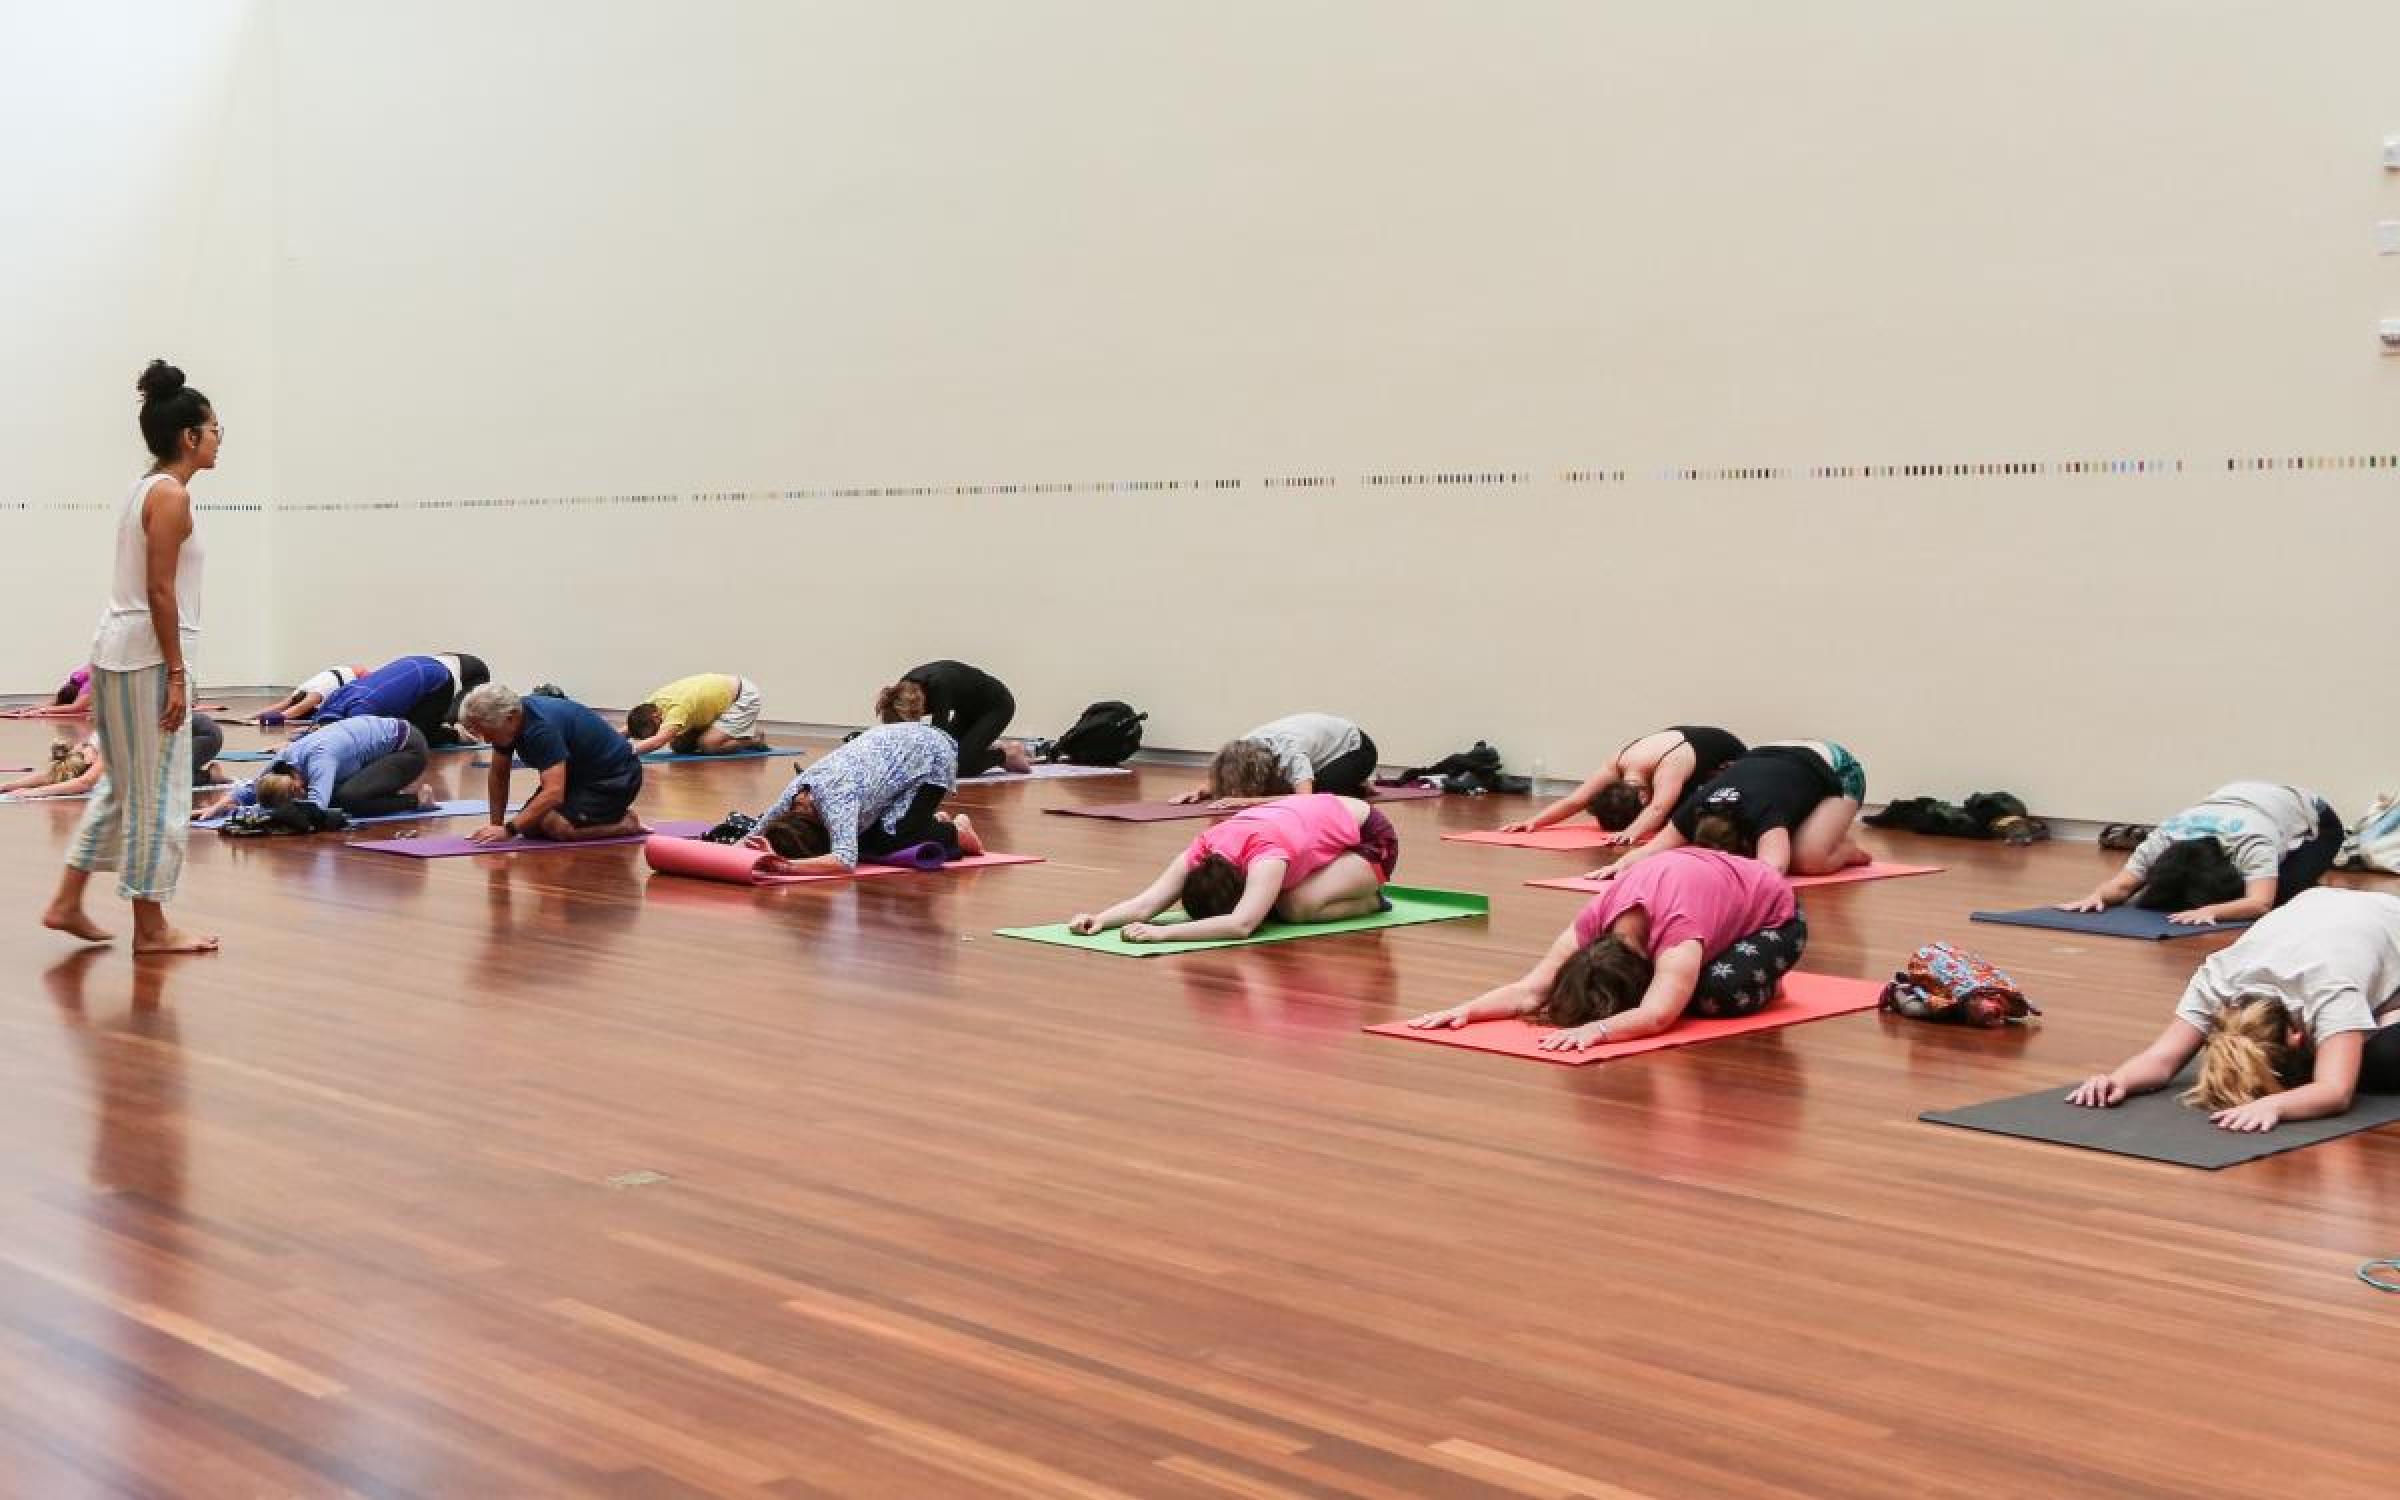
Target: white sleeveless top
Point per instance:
(125, 641)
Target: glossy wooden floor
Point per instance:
(939, 1214)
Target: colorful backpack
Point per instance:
(1943, 983)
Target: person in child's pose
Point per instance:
(1693, 931)
(2290, 1022)
(2251, 847)
(1293, 755)
(1632, 796)
(1311, 858)
(1787, 803)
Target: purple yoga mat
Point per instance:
(444, 848)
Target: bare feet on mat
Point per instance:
(176, 940)
(1014, 760)
(75, 922)
(970, 843)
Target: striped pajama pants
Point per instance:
(140, 818)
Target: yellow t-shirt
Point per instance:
(695, 702)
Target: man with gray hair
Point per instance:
(590, 776)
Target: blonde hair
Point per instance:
(901, 703)
(2245, 1055)
(280, 784)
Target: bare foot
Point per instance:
(970, 843)
(75, 922)
(176, 940)
(1014, 759)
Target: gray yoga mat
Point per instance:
(2155, 1127)
(2116, 921)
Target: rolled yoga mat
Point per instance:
(1410, 905)
(733, 864)
(446, 848)
(2116, 921)
(2158, 1127)
(1856, 873)
(1804, 997)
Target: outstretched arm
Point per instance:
(1514, 998)
(2257, 899)
(2329, 1090)
(1669, 837)
(1155, 897)
(2116, 890)
(2146, 1072)
(1573, 802)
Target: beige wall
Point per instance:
(136, 222)
(629, 258)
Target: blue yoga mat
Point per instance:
(660, 757)
(472, 807)
(2117, 921)
(247, 755)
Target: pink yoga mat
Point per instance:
(735, 865)
(445, 848)
(1578, 836)
(1876, 871)
(1805, 997)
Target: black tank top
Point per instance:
(1711, 748)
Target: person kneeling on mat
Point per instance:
(367, 767)
(1314, 858)
(589, 775)
(2290, 1022)
(1789, 804)
(2251, 847)
(1693, 931)
(425, 690)
(1631, 797)
(967, 703)
(1293, 756)
(880, 792)
(713, 713)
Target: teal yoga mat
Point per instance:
(1410, 906)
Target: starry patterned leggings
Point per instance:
(1741, 980)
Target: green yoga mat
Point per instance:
(1410, 905)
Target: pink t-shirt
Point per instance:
(1307, 833)
(1692, 893)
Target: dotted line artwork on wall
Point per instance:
(2339, 462)
(2126, 467)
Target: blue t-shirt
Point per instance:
(325, 758)
(560, 729)
(389, 691)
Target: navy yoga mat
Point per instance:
(2117, 921)
(2157, 1127)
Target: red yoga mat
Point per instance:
(1577, 836)
(1805, 997)
(735, 865)
(1876, 871)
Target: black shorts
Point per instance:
(591, 803)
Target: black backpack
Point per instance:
(1106, 735)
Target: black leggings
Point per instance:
(978, 734)
(2306, 865)
(381, 786)
(916, 826)
(2379, 1066)
(207, 740)
(1742, 979)
(1349, 772)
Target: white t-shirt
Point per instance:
(2332, 956)
(2258, 822)
(1303, 742)
(126, 640)
(325, 682)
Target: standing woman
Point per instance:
(140, 817)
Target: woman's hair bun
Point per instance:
(160, 381)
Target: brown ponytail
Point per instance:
(2246, 1054)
